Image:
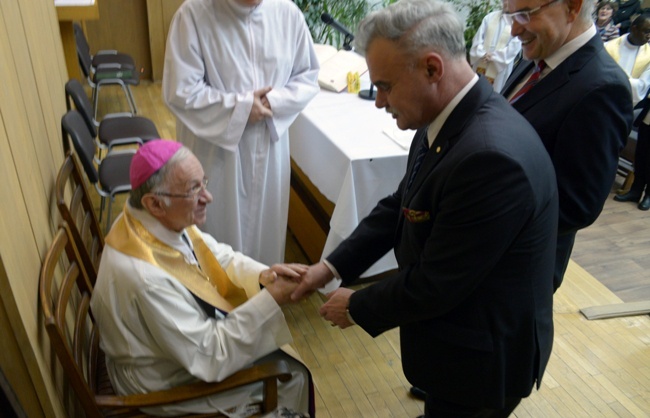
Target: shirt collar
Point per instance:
(436, 125)
(566, 50)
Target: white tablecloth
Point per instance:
(339, 142)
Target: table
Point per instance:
(338, 142)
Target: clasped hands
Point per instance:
(294, 282)
(261, 107)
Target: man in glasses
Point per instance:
(579, 101)
(174, 306)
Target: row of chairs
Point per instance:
(110, 173)
(67, 279)
(106, 67)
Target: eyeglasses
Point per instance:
(523, 17)
(192, 194)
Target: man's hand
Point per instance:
(317, 275)
(261, 107)
(335, 309)
(293, 272)
(281, 288)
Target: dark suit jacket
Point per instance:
(474, 239)
(582, 110)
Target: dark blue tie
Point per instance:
(420, 153)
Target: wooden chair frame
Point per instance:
(82, 359)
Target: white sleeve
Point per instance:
(242, 270)
(287, 102)
(215, 115)
(210, 349)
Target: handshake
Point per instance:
(293, 282)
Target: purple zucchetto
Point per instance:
(149, 158)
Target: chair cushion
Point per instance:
(113, 129)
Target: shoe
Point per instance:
(418, 393)
(631, 196)
(645, 203)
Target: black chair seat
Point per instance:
(126, 130)
(102, 57)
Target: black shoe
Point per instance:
(631, 196)
(418, 393)
(645, 203)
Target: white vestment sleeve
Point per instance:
(478, 51)
(640, 86)
(242, 270)
(302, 86)
(215, 115)
(211, 349)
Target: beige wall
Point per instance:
(32, 102)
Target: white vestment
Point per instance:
(156, 335)
(493, 36)
(218, 53)
(635, 61)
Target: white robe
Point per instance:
(502, 45)
(156, 336)
(218, 53)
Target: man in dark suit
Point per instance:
(581, 107)
(473, 224)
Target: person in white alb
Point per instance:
(632, 53)
(174, 306)
(494, 50)
(236, 75)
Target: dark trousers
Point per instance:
(562, 256)
(642, 160)
(436, 408)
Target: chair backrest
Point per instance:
(65, 291)
(83, 50)
(74, 130)
(77, 211)
(75, 91)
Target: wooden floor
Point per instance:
(597, 369)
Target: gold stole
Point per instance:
(209, 282)
(642, 57)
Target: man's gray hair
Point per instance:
(158, 179)
(415, 25)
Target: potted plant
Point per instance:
(348, 12)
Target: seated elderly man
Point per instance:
(174, 306)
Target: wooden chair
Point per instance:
(65, 290)
(77, 211)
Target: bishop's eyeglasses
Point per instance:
(192, 194)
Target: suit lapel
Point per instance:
(520, 71)
(448, 134)
(558, 78)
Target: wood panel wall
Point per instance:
(160, 14)
(32, 101)
(122, 25)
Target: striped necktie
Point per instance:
(532, 80)
(421, 152)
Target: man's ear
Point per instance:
(433, 66)
(155, 206)
(574, 7)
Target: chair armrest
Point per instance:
(107, 52)
(271, 371)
